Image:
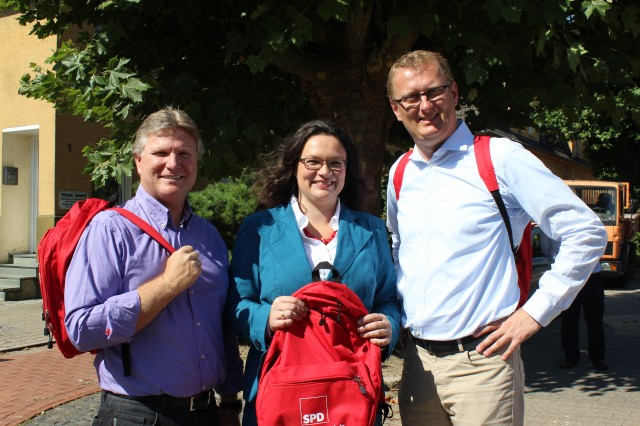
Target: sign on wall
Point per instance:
(66, 199)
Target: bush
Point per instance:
(225, 204)
(636, 242)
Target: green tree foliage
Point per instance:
(251, 71)
(612, 142)
(225, 204)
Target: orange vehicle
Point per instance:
(612, 203)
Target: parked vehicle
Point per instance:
(540, 263)
(612, 203)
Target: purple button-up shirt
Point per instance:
(181, 352)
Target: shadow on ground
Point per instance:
(542, 353)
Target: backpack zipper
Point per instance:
(358, 380)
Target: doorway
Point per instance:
(19, 193)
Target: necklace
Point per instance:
(324, 241)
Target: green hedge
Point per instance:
(225, 204)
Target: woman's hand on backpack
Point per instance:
(285, 310)
(376, 328)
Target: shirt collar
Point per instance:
(303, 221)
(159, 213)
(460, 140)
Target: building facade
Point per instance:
(565, 160)
(40, 148)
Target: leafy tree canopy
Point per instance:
(251, 71)
(613, 147)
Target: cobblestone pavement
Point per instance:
(575, 397)
(21, 324)
(77, 412)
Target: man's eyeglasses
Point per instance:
(434, 95)
(316, 164)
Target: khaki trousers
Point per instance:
(464, 388)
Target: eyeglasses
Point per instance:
(434, 94)
(316, 164)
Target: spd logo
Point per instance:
(314, 411)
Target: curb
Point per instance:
(36, 410)
(22, 347)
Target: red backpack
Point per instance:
(319, 370)
(55, 251)
(523, 253)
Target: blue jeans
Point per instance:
(123, 411)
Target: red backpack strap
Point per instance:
(485, 164)
(399, 173)
(488, 175)
(523, 253)
(144, 225)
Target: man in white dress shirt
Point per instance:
(456, 270)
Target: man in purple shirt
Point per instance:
(124, 293)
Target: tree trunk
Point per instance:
(364, 114)
(350, 90)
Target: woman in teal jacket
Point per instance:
(312, 191)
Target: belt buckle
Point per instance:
(440, 349)
(195, 399)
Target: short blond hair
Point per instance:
(418, 59)
(166, 119)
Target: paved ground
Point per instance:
(37, 383)
(36, 379)
(583, 396)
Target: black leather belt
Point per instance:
(448, 347)
(193, 403)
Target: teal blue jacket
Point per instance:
(269, 261)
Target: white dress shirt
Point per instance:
(456, 270)
(316, 250)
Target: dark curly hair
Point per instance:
(278, 180)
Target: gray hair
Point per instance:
(418, 59)
(165, 119)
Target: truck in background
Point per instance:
(612, 203)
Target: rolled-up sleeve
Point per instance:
(98, 312)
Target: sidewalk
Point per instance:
(37, 379)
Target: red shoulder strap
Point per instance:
(488, 175)
(145, 227)
(485, 165)
(399, 173)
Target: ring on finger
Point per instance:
(282, 314)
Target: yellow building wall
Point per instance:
(59, 140)
(72, 135)
(563, 167)
(17, 50)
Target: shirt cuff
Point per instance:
(540, 310)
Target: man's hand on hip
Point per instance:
(507, 332)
